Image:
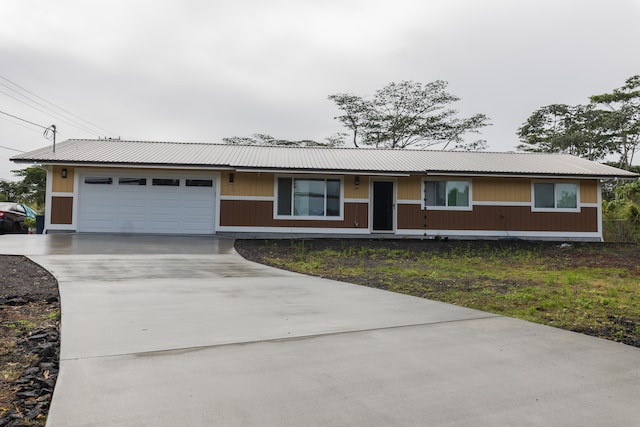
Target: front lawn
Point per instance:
(593, 288)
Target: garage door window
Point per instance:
(132, 181)
(166, 182)
(199, 183)
(99, 180)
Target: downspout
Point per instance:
(424, 204)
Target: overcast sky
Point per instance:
(202, 70)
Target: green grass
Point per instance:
(590, 288)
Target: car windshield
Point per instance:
(30, 212)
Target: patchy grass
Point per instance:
(588, 288)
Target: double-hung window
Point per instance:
(447, 194)
(554, 196)
(309, 198)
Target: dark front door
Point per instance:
(383, 206)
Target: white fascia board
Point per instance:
(499, 175)
(113, 166)
(322, 172)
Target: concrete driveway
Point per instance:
(173, 331)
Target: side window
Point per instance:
(447, 194)
(548, 195)
(284, 196)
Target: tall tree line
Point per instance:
(609, 124)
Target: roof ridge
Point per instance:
(290, 147)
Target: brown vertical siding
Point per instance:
(61, 210)
(410, 188)
(501, 189)
(60, 184)
(351, 191)
(247, 184)
(259, 213)
(588, 191)
(510, 218)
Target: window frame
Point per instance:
(555, 200)
(469, 206)
(339, 217)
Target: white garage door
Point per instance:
(146, 203)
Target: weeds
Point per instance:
(579, 288)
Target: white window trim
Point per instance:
(448, 208)
(314, 217)
(554, 182)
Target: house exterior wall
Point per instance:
(252, 184)
(59, 211)
(500, 207)
(60, 184)
(503, 207)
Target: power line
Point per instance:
(82, 128)
(77, 125)
(12, 149)
(49, 131)
(26, 121)
(19, 124)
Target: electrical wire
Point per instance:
(12, 149)
(19, 124)
(26, 121)
(76, 124)
(49, 131)
(70, 123)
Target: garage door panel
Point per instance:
(146, 208)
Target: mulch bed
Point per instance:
(29, 341)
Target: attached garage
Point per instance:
(135, 201)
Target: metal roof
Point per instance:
(105, 152)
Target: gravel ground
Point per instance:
(29, 341)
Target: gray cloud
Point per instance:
(200, 71)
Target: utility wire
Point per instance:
(19, 124)
(26, 121)
(12, 149)
(54, 105)
(49, 131)
(77, 126)
(53, 113)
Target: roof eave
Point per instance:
(504, 174)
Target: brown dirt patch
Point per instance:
(369, 255)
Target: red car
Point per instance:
(12, 216)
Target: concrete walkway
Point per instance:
(181, 331)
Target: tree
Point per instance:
(8, 191)
(623, 119)
(264, 139)
(356, 112)
(29, 190)
(408, 114)
(608, 124)
(561, 128)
